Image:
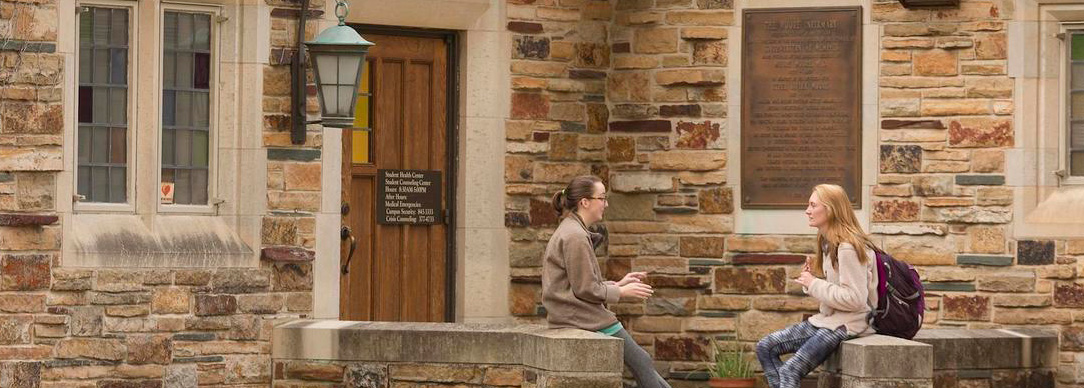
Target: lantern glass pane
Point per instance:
(328, 69)
(346, 96)
(331, 99)
(348, 69)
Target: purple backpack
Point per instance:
(900, 300)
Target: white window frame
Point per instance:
(129, 206)
(1065, 74)
(213, 135)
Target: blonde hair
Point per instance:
(841, 227)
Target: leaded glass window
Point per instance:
(186, 106)
(102, 111)
(1076, 105)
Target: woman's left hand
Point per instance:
(805, 279)
(632, 277)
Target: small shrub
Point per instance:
(729, 361)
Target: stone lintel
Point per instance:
(912, 124)
(17, 219)
(293, 154)
(641, 126)
(752, 258)
(949, 286)
(989, 260)
(557, 350)
(980, 180)
(27, 47)
(287, 254)
(293, 13)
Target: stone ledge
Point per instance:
(16, 219)
(560, 350)
(878, 357)
(991, 348)
(287, 255)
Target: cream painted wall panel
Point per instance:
(447, 14)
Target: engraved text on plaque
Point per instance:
(801, 101)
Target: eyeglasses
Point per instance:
(604, 199)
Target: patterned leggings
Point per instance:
(811, 345)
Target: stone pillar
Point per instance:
(879, 361)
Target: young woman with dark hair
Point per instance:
(574, 292)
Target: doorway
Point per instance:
(405, 121)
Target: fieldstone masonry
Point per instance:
(121, 327)
(651, 120)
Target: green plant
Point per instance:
(728, 361)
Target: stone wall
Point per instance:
(62, 326)
(940, 199)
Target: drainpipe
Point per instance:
(298, 87)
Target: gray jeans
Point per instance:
(639, 363)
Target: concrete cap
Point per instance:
(559, 350)
(992, 348)
(880, 356)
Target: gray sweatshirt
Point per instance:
(574, 292)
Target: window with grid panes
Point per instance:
(102, 106)
(1075, 138)
(186, 106)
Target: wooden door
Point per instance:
(398, 272)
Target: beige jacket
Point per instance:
(848, 293)
(574, 292)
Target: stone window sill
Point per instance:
(115, 240)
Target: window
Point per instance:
(1075, 135)
(102, 106)
(186, 106)
(111, 150)
(363, 126)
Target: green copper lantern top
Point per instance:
(341, 34)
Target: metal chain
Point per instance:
(341, 10)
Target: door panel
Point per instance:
(399, 271)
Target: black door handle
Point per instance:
(345, 234)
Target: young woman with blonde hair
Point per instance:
(574, 292)
(845, 258)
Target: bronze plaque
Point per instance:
(801, 104)
(408, 197)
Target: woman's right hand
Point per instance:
(636, 291)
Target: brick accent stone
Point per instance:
(966, 308)
(1030, 252)
(25, 272)
(744, 280)
(895, 211)
(980, 132)
(1069, 295)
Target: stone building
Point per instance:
(971, 166)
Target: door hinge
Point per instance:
(447, 217)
